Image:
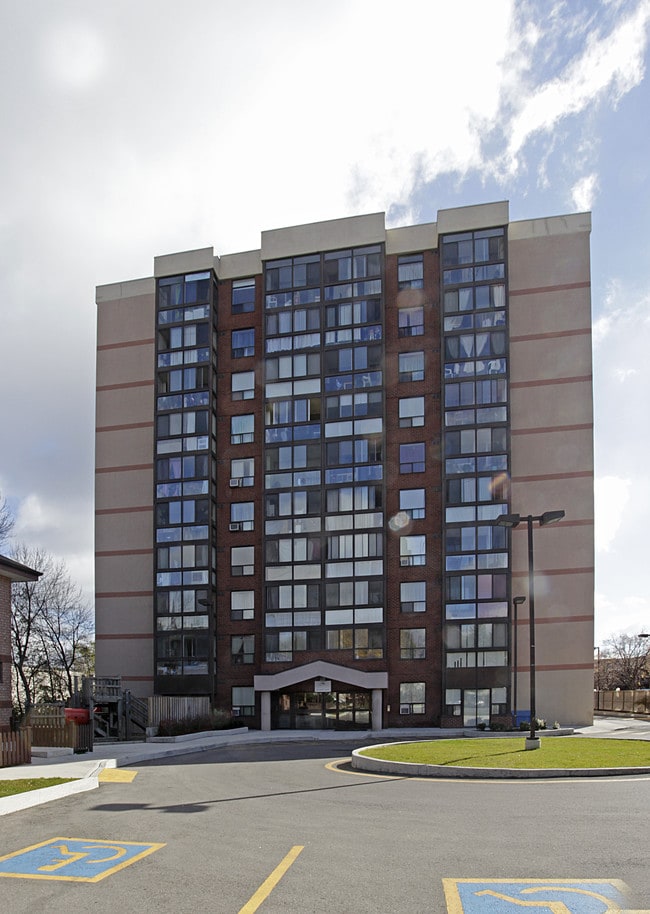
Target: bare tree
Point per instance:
(623, 663)
(51, 630)
(6, 520)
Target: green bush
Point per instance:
(217, 720)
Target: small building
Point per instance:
(10, 572)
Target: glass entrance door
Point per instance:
(321, 710)
(476, 707)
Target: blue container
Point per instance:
(523, 717)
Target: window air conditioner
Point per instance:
(234, 483)
(234, 526)
(404, 560)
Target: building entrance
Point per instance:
(321, 711)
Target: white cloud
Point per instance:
(583, 192)
(73, 54)
(610, 65)
(626, 615)
(611, 495)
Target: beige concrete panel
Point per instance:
(131, 657)
(127, 447)
(528, 261)
(125, 365)
(558, 547)
(124, 615)
(565, 696)
(126, 406)
(560, 595)
(549, 312)
(570, 224)
(553, 453)
(126, 320)
(124, 489)
(123, 573)
(466, 218)
(547, 406)
(564, 643)
(127, 530)
(548, 359)
(404, 239)
(196, 261)
(238, 266)
(131, 289)
(575, 496)
(323, 236)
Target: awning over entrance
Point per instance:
(317, 669)
(322, 670)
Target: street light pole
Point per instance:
(513, 520)
(517, 601)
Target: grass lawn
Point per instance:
(555, 752)
(21, 785)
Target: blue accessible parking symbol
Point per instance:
(74, 859)
(555, 896)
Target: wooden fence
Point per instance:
(50, 728)
(176, 707)
(631, 701)
(15, 747)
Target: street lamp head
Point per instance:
(550, 517)
(643, 635)
(518, 600)
(508, 520)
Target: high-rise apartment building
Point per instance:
(302, 451)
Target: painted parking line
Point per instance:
(555, 896)
(116, 776)
(74, 859)
(271, 881)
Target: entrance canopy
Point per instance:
(321, 668)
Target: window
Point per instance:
(410, 321)
(412, 644)
(241, 516)
(411, 502)
(243, 343)
(411, 458)
(413, 595)
(410, 272)
(242, 560)
(242, 429)
(242, 605)
(243, 701)
(243, 296)
(412, 550)
(411, 412)
(411, 697)
(411, 366)
(242, 472)
(243, 385)
(242, 648)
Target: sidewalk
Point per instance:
(87, 768)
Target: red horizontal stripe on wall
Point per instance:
(585, 474)
(564, 287)
(126, 344)
(551, 620)
(112, 595)
(551, 335)
(110, 552)
(545, 382)
(124, 510)
(127, 469)
(545, 430)
(554, 571)
(127, 385)
(121, 428)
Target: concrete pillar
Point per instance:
(266, 710)
(377, 701)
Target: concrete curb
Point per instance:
(36, 797)
(414, 769)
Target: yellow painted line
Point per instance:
(270, 883)
(116, 776)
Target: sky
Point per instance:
(138, 129)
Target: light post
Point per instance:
(517, 601)
(513, 520)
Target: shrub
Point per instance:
(217, 720)
(498, 726)
(480, 726)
